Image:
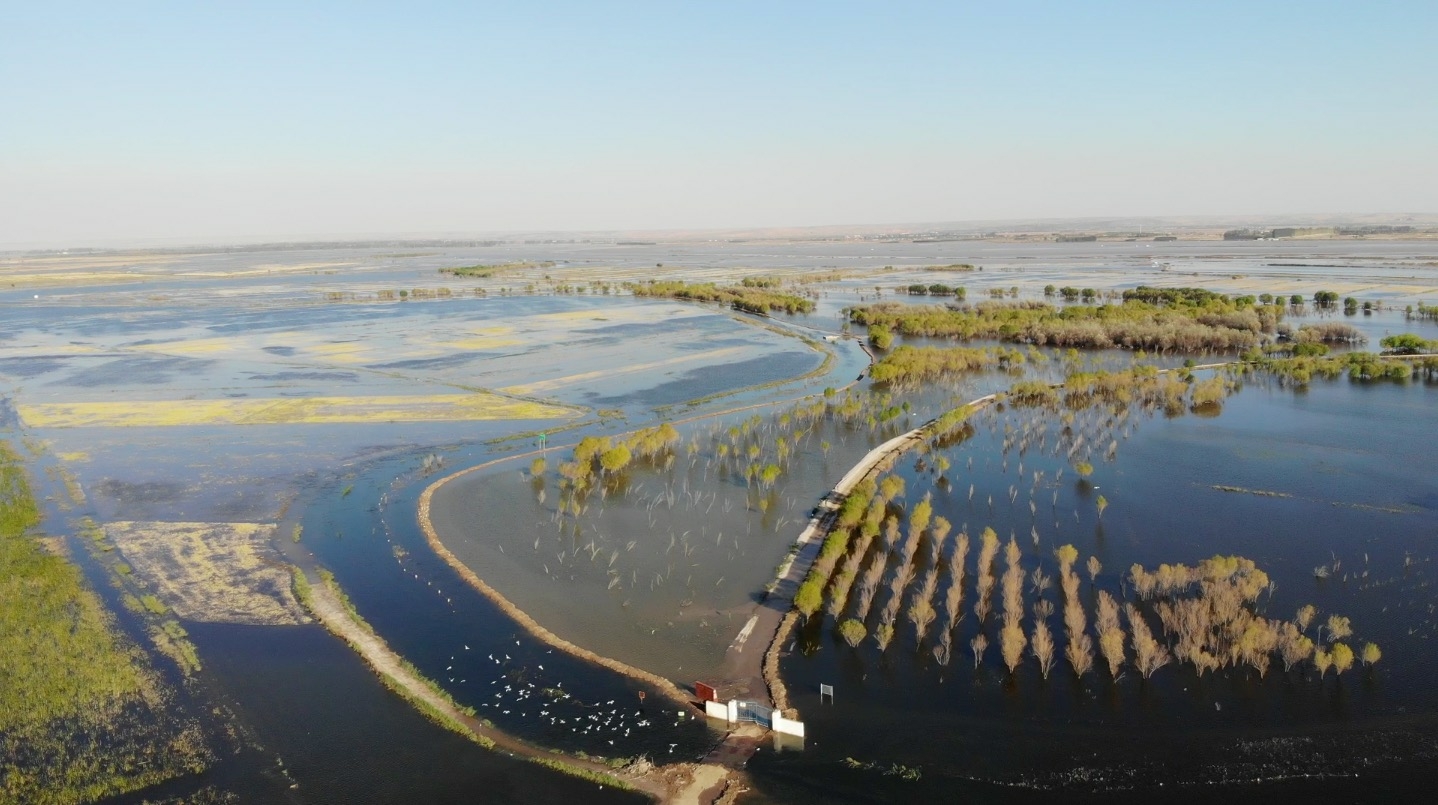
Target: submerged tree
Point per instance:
(884, 634)
(978, 644)
(1293, 646)
(810, 597)
(1371, 654)
(1338, 628)
(853, 632)
(984, 585)
(1012, 642)
(1043, 648)
(1149, 654)
(1342, 657)
(1110, 633)
(954, 596)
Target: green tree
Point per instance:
(880, 337)
(891, 487)
(810, 597)
(1406, 344)
(615, 458)
(769, 475)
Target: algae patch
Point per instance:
(308, 410)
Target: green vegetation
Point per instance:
(1359, 366)
(1214, 323)
(1407, 344)
(82, 717)
(746, 298)
(1334, 332)
(484, 271)
(937, 289)
(909, 365)
(1172, 296)
(880, 337)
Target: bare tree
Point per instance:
(1079, 652)
(1042, 647)
(1338, 628)
(1293, 646)
(954, 596)
(978, 644)
(988, 551)
(1306, 614)
(1012, 642)
(1149, 654)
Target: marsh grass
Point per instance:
(82, 716)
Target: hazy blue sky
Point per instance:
(147, 121)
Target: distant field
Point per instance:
(310, 410)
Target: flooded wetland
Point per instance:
(1189, 542)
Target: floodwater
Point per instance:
(179, 329)
(1351, 463)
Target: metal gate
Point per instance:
(757, 713)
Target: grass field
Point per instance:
(82, 717)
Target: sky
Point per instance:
(135, 122)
